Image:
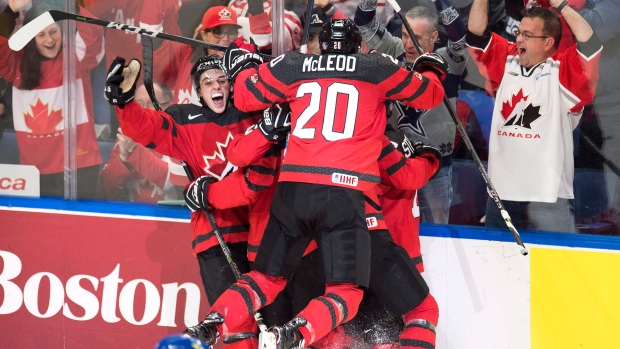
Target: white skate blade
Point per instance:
(266, 340)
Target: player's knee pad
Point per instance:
(346, 256)
(398, 283)
(420, 325)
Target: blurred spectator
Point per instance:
(154, 15)
(219, 26)
(434, 127)
(136, 173)
(36, 73)
(470, 191)
(602, 16)
(540, 95)
(255, 21)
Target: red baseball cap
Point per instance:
(219, 15)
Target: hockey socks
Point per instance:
(339, 304)
(242, 299)
(420, 325)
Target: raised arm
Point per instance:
(478, 18)
(578, 25)
(374, 34)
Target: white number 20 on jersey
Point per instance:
(315, 89)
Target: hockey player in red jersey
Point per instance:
(197, 135)
(328, 164)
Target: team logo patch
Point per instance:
(224, 14)
(254, 78)
(344, 179)
(518, 111)
(417, 75)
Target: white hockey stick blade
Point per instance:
(20, 38)
(394, 5)
(266, 340)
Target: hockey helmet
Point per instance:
(177, 341)
(340, 36)
(203, 64)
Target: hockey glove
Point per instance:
(241, 55)
(120, 87)
(431, 62)
(195, 193)
(276, 122)
(400, 142)
(421, 149)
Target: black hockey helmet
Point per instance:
(203, 64)
(340, 36)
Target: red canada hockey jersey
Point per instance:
(38, 114)
(337, 111)
(199, 137)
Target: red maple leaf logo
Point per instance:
(42, 121)
(508, 107)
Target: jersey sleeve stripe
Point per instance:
(263, 169)
(420, 90)
(256, 93)
(401, 85)
(397, 166)
(385, 151)
(271, 88)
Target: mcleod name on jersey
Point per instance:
(337, 111)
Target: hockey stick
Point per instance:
(600, 153)
(490, 189)
(304, 39)
(147, 62)
(259, 319)
(26, 33)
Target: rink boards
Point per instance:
(101, 275)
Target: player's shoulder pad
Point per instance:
(286, 59)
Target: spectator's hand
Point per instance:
(241, 55)
(431, 62)
(276, 122)
(321, 3)
(17, 5)
(400, 142)
(195, 193)
(126, 146)
(367, 5)
(120, 88)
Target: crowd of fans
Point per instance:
(111, 167)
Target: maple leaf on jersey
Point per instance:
(508, 107)
(42, 121)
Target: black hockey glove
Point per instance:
(195, 193)
(276, 122)
(421, 149)
(241, 55)
(400, 142)
(431, 62)
(120, 86)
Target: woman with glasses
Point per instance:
(540, 94)
(173, 66)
